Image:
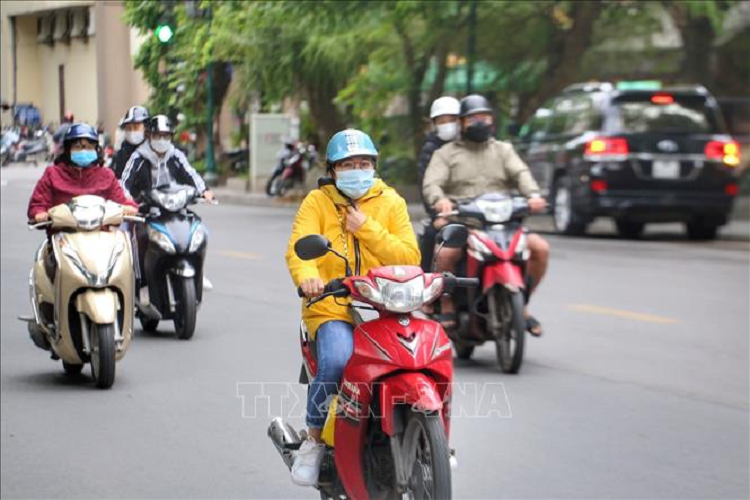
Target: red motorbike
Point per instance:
(387, 429)
(497, 255)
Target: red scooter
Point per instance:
(390, 421)
(497, 255)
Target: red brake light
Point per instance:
(607, 146)
(598, 185)
(732, 189)
(726, 152)
(662, 99)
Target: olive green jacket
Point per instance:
(464, 169)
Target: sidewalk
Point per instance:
(738, 227)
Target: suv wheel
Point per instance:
(701, 231)
(567, 219)
(629, 229)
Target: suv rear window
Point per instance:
(636, 114)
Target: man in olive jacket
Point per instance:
(474, 165)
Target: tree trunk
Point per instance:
(564, 66)
(698, 36)
(320, 96)
(414, 93)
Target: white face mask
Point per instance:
(160, 145)
(135, 137)
(447, 131)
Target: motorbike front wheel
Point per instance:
(507, 309)
(186, 307)
(103, 354)
(431, 470)
(271, 185)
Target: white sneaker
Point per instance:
(306, 465)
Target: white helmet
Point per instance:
(445, 106)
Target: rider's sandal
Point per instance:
(533, 326)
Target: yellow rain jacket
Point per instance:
(386, 238)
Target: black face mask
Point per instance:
(478, 132)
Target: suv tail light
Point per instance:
(726, 152)
(662, 99)
(607, 146)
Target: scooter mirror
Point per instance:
(453, 236)
(311, 247)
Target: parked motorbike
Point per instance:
(387, 430)
(497, 255)
(173, 260)
(33, 149)
(238, 159)
(8, 145)
(82, 292)
(291, 169)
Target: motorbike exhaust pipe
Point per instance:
(285, 439)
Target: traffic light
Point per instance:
(164, 32)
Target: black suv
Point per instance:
(637, 155)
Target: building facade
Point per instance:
(72, 56)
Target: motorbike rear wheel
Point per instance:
(186, 307)
(103, 354)
(431, 470)
(507, 309)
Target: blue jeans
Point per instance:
(335, 344)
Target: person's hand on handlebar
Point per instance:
(208, 195)
(312, 287)
(443, 206)
(129, 210)
(537, 205)
(41, 217)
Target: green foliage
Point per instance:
(376, 65)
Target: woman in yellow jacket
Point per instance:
(368, 222)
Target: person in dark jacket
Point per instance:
(134, 126)
(444, 115)
(157, 162)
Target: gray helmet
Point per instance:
(473, 104)
(136, 114)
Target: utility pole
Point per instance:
(211, 176)
(472, 47)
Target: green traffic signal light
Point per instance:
(164, 33)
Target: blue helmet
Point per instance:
(348, 143)
(81, 131)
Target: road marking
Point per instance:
(240, 255)
(649, 318)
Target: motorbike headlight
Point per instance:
(199, 236)
(161, 240)
(172, 201)
(496, 211)
(432, 291)
(402, 297)
(88, 218)
(368, 292)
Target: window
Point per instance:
(636, 114)
(536, 128)
(574, 116)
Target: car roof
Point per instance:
(609, 88)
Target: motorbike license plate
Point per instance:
(666, 169)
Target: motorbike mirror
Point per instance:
(453, 236)
(311, 247)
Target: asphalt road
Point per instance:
(639, 388)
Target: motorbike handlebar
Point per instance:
(334, 288)
(203, 201)
(452, 282)
(39, 225)
(133, 218)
